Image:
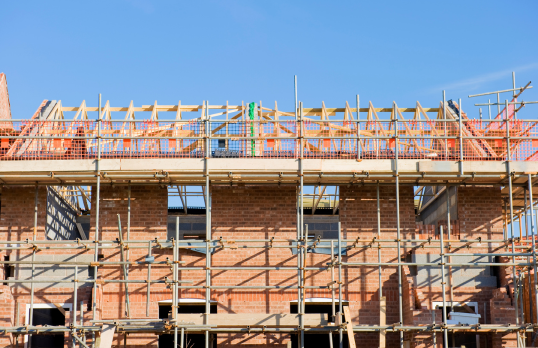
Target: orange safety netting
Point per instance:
(413, 139)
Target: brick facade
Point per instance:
(263, 212)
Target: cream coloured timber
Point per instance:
(253, 320)
(250, 170)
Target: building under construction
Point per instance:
(315, 227)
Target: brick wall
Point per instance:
(149, 210)
(479, 215)
(358, 217)
(254, 212)
(17, 224)
(261, 212)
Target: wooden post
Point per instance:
(382, 321)
(349, 326)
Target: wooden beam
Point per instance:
(254, 319)
(60, 308)
(194, 108)
(382, 321)
(349, 326)
(107, 336)
(467, 308)
(315, 205)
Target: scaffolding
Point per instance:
(450, 150)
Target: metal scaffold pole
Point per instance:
(149, 260)
(511, 203)
(75, 293)
(299, 246)
(34, 247)
(358, 125)
(382, 300)
(302, 237)
(175, 278)
(443, 285)
(533, 237)
(333, 304)
(398, 233)
(96, 233)
(208, 223)
(340, 309)
(299, 223)
(379, 237)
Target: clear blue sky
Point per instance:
(249, 51)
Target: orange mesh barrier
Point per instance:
(413, 139)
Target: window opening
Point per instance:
(192, 340)
(323, 306)
(52, 317)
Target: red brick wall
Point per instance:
(480, 212)
(253, 212)
(479, 215)
(17, 224)
(261, 212)
(149, 211)
(358, 216)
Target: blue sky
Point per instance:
(167, 51)
(249, 51)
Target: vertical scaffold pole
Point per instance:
(379, 245)
(82, 321)
(359, 144)
(340, 309)
(207, 224)
(444, 124)
(511, 203)
(333, 308)
(75, 291)
(175, 287)
(398, 234)
(96, 234)
(443, 284)
(529, 273)
(382, 300)
(301, 228)
(299, 212)
(128, 221)
(148, 293)
(460, 136)
(298, 240)
(533, 246)
(34, 236)
(448, 232)
(124, 268)
(299, 263)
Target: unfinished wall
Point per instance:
(479, 211)
(252, 212)
(358, 216)
(149, 210)
(260, 212)
(17, 225)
